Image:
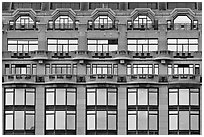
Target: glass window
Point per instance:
(194, 122)
(142, 120)
(50, 98)
(60, 120)
(19, 120)
(71, 98)
(91, 122)
(111, 122)
(111, 98)
(194, 99)
(30, 120)
(19, 96)
(60, 96)
(71, 122)
(132, 122)
(152, 122)
(173, 122)
(183, 120)
(101, 97)
(132, 99)
(152, 98)
(101, 120)
(9, 121)
(9, 98)
(142, 96)
(30, 98)
(49, 122)
(183, 96)
(173, 99)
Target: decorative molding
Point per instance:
(24, 12)
(142, 11)
(103, 11)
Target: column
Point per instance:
(40, 111)
(122, 38)
(122, 110)
(81, 110)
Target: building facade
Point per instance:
(87, 68)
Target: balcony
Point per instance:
(40, 54)
(101, 78)
(142, 78)
(184, 78)
(60, 78)
(192, 54)
(21, 78)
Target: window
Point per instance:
(72, 5)
(102, 69)
(60, 111)
(183, 69)
(142, 22)
(112, 5)
(103, 22)
(19, 69)
(103, 45)
(143, 45)
(139, 69)
(23, 23)
(151, 5)
(184, 115)
(182, 45)
(63, 22)
(60, 96)
(70, 69)
(33, 5)
(24, 45)
(62, 45)
(182, 22)
(101, 110)
(142, 110)
(19, 110)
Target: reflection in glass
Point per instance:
(19, 120)
(101, 120)
(60, 119)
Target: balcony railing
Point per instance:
(20, 78)
(184, 78)
(60, 78)
(142, 78)
(101, 78)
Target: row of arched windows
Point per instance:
(104, 22)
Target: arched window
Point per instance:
(182, 22)
(25, 22)
(142, 22)
(103, 22)
(64, 22)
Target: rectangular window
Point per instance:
(22, 45)
(72, 5)
(33, 5)
(70, 69)
(62, 45)
(183, 109)
(182, 45)
(108, 69)
(184, 69)
(143, 45)
(103, 115)
(139, 69)
(23, 69)
(103, 45)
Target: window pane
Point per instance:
(194, 99)
(12, 47)
(9, 98)
(183, 120)
(19, 96)
(30, 122)
(142, 120)
(131, 47)
(173, 122)
(71, 99)
(101, 97)
(92, 47)
(173, 99)
(183, 96)
(90, 98)
(70, 121)
(112, 122)
(131, 122)
(172, 47)
(113, 47)
(131, 98)
(9, 122)
(19, 120)
(90, 122)
(101, 120)
(60, 119)
(73, 47)
(111, 98)
(152, 98)
(193, 47)
(194, 122)
(153, 122)
(30, 98)
(142, 96)
(52, 48)
(49, 122)
(50, 98)
(60, 96)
